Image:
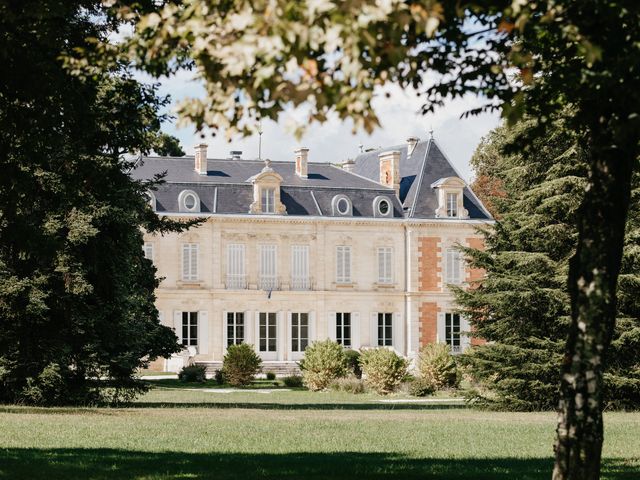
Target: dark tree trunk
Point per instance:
(593, 275)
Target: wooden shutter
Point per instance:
(398, 333)
(203, 332)
(441, 334)
(356, 341)
(373, 329)
(224, 331)
(312, 327)
(185, 261)
(249, 328)
(177, 324)
(194, 261)
(347, 264)
(331, 326)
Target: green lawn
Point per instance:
(172, 433)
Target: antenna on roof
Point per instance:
(260, 140)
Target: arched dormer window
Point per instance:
(382, 207)
(189, 202)
(341, 206)
(151, 198)
(450, 194)
(266, 192)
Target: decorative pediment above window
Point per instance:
(266, 192)
(450, 194)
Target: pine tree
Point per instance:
(522, 307)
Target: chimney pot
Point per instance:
(390, 169)
(302, 159)
(411, 145)
(201, 159)
(236, 154)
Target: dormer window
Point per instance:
(268, 200)
(449, 192)
(452, 204)
(341, 206)
(188, 201)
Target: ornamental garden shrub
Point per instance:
(437, 365)
(383, 369)
(292, 381)
(270, 375)
(421, 387)
(192, 373)
(349, 384)
(323, 362)
(219, 377)
(240, 364)
(353, 362)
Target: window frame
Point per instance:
(452, 207)
(453, 266)
(300, 278)
(385, 329)
(297, 339)
(235, 322)
(193, 267)
(268, 338)
(384, 257)
(344, 324)
(268, 280)
(268, 200)
(236, 259)
(188, 324)
(450, 335)
(182, 205)
(148, 250)
(343, 265)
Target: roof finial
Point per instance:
(431, 132)
(361, 147)
(260, 140)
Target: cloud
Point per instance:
(333, 141)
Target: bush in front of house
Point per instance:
(240, 364)
(420, 387)
(437, 366)
(292, 381)
(192, 373)
(353, 362)
(348, 385)
(270, 376)
(383, 369)
(323, 362)
(219, 377)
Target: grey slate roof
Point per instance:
(426, 165)
(227, 188)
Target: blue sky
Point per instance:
(334, 142)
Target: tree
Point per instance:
(257, 58)
(168, 145)
(76, 293)
(522, 306)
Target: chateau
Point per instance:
(296, 251)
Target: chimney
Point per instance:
(390, 169)
(349, 165)
(302, 158)
(411, 145)
(201, 159)
(236, 154)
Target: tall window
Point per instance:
(300, 267)
(343, 264)
(299, 331)
(343, 329)
(385, 273)
(453, 267)
(235, 328)
(452, 204)
(148, 250)
(268, 200)
(235, 266)
(189, 262)
(452, 331)
(385, 330)
(268, 331)
(268, 279)
(189, 328)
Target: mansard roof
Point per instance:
(227, 187)
(418, 172)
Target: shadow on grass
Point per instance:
(53, 464)
(301, 406)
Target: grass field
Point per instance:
(172, 433)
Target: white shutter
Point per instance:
(224, 331)
(249, 328)
(288, 341)
(347, 264)
(373, 329)
(441, 334)
(312, 327)
(398, 333)
(161, 317)
(356, 341)
(465, 333)
(194, 261)
(203, 332)
(280, 335)
(177, 324)
(331, 326)
(339, 265)
(185, 261)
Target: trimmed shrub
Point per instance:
(240, 364)
(323, 362)
(421, 387)
(219, 377)
(293, 381)
(353, 362)
(348, 384)
(383, 369)
(270, 375)
(437, 366)
(192, 373)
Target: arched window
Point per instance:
(341, 206)
(188, 201)
(151, 198)
(382, 207)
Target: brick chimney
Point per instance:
(201, 159)
(302, 158)
(411, 145)
(390, 169)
